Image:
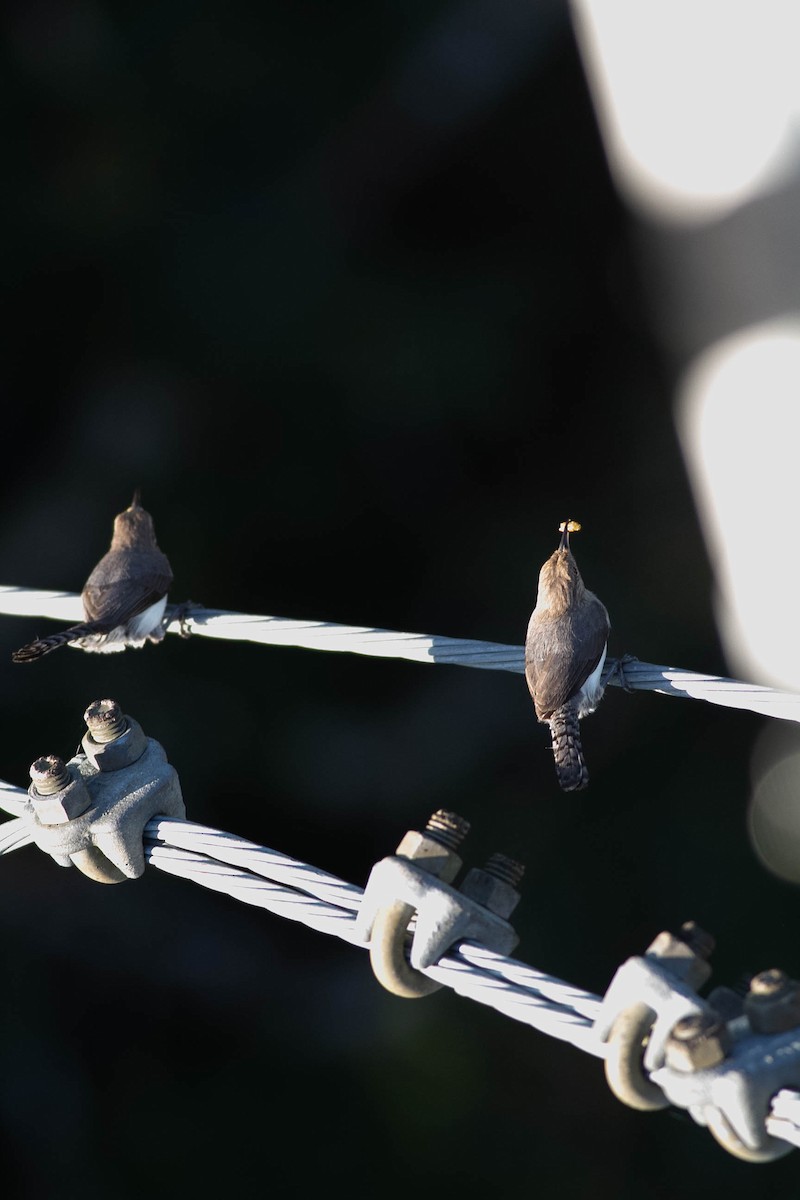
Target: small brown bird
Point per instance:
(565, 650)
(125, 596)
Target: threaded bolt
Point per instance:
(49, 775)
(697, 939)
(769, 983)
(105, 721)
(447, 828)
(500, 866)
(773, 1003)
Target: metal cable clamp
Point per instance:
(646, 998)
(91, 811)
(411, 915)
(723, 1058)
(755, 1053)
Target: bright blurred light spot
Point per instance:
(696, 99)
(774, 813)
(739, 423)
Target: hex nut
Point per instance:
(489, 891)
(773, 1003)
(430, 854)
(727, 1003)
(679, 959)
(125, 750)
(71, 802)
(696, 1043)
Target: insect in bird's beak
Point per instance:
(565, 529)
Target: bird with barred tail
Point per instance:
(124, 598)
(565, 650)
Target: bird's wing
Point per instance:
(556, 671)
(118, 590)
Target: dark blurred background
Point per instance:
(347, 291)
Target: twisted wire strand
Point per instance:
(269, 864)
(546, 1013)
(784, 1119)
(14, 835)
(297, 891)
(253, 889)
(12, 799)
(528, 979)
(627, 672)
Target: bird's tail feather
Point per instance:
(567, 750)
(42, 646)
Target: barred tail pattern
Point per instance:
(567, 751)
(44, 646)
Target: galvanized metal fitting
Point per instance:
(768, 1150)
(105, 720)
(91, 812)
(726, 1002)
(666, 1045)
(733, 1095)
(699, 940)
(112, 740)
(646, 999)
(49, 775)
(386, 925)
(686, 954)
(57, 795)
(697, 1042)
(402, 886)
(773, 1003)
(495, 885)
(435, 848)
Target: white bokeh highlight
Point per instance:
(697, 99)
(739, 424)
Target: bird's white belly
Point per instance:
(133, 635)
(592, 690)
(148, 620)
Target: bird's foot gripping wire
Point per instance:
(616, 673)
(181, 614)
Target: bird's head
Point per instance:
(134, 526)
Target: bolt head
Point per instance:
(697, 1042)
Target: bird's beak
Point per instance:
(564, 543)
(136, 502)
